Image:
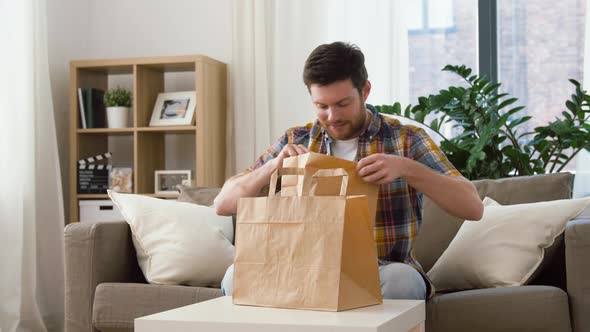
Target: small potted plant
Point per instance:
(118, 104)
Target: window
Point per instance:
(540, 47)
(431, 16)
(430, 51)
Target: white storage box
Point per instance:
(99, 210)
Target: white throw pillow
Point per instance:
(176, 242)
(505, 247)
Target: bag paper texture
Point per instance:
(311, 246)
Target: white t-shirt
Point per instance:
(345, 149)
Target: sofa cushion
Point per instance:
(522, 308)
(116, 305)
(174, 241)
(505, 247)
(203, 196)
(439, 228)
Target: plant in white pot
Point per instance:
(118, 104)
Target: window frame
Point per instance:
(487, 24)
(425, 23)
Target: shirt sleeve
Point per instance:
(269, 154)
(425, 151)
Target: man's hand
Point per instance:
(250, 184)
(380, 168)
(455, 194)
(289, 150)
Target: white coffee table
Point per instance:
(220, 315)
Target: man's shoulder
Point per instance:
(395, 127)
(299, 132)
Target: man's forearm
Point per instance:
(456, 195)
(242, 185)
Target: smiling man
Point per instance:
(402, 159)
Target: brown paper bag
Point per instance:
(313, 161)
(306, 251)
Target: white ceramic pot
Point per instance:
(118, 117)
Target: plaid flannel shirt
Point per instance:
(399, 209)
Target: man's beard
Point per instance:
(355, 126)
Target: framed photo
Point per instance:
(121, 179)
(174, 108)
(166, 181)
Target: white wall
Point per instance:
(86, 29)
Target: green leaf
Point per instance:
(419, 116)
(423, 101)
(519, 121)
(466, 73)
(504, 118)
(497, 97)
(490, 88)
(572, 107)
(525, 134)
(500, 139)
(506, 103)
(574, 82)
(397, 109)
(434, 124)
(407, 111)
(449, 68)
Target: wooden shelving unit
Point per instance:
(207, 132)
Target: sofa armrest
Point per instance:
(577, 256)
(95, 253)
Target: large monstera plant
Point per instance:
(490, 142)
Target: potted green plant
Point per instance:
(118, 104)
(491, 143)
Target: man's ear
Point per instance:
(366, 90)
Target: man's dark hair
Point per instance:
(337, 61)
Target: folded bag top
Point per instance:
(308, 187)
(313, 161)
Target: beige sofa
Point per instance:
(105, 289)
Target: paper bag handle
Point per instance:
(280, 172)
(330, 172)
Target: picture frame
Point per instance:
(174, 108)
(165, 182)
(121, 179)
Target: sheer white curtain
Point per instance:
(31, 203)
(272, 39)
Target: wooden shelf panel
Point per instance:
(114, 69)
(93, 196)
(174, 62)
(172, 67)
(107, 131)
(129, 131)
(168, 129)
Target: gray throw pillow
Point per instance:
(197, 195)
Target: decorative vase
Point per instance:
(118, 117)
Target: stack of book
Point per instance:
(92, 109)
(93, 177)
